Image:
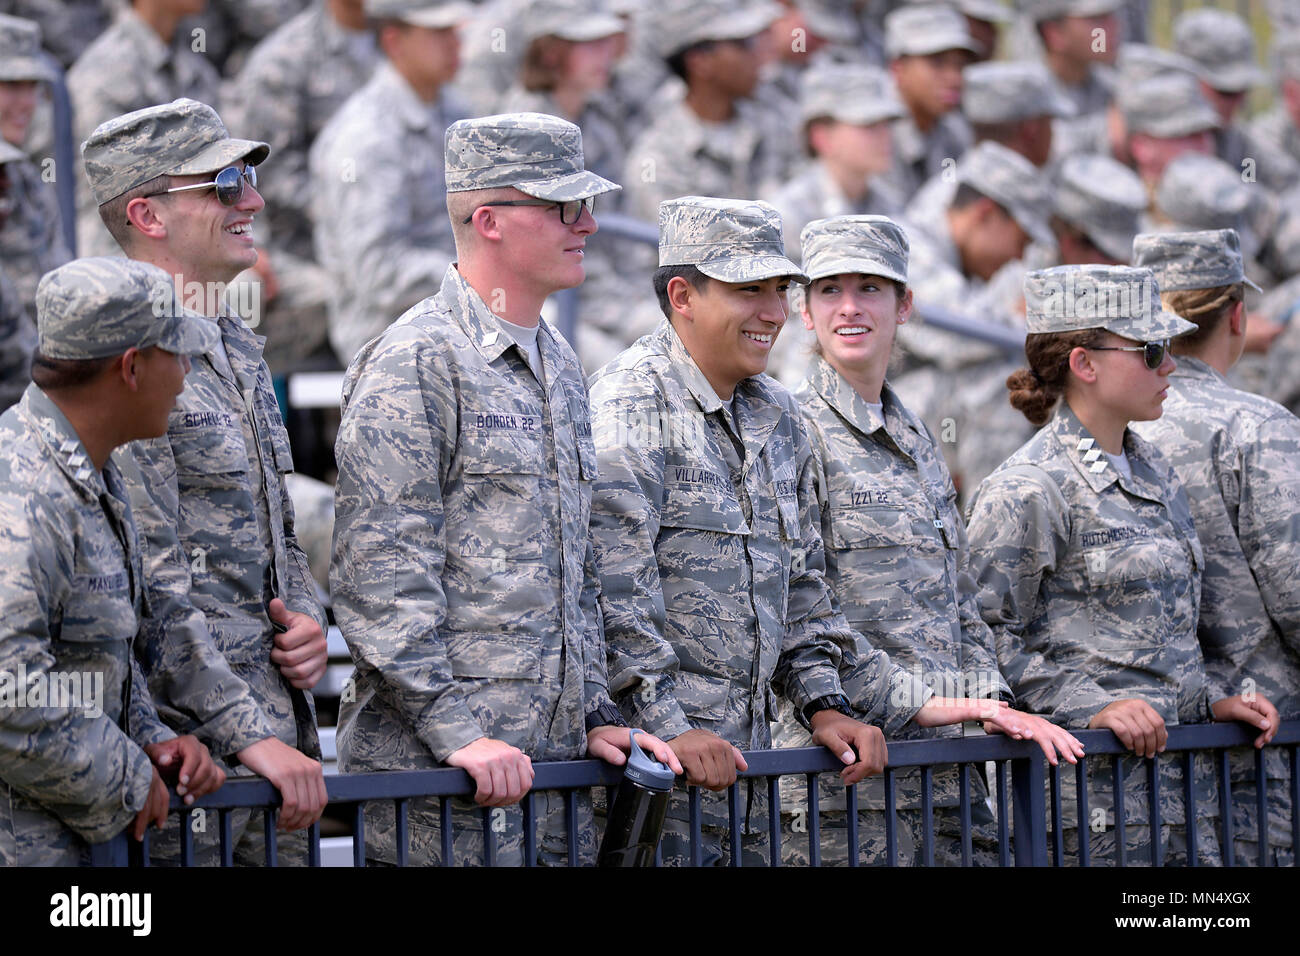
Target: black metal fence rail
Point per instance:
(1028, 804)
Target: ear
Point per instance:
(1237, 319)
(130, 369)
(682, 296)
(1081, 365)
(805, 314)
(905, 307)
(486, 223)
(141, 214)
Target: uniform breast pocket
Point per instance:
(498, 514)
(1129, 591)
(208, 445)
(874, 551)
(93, 645)
(701, 554)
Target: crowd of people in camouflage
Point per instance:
(761, 497)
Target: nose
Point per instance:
(775, 308)
(586, 224)
(252, 200)
(1168, 365)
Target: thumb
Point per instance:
(740, 759)
(279, 613)
(164, 758)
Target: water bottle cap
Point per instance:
(645, 770)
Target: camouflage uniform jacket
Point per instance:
(602, 145)
(1277, 130)
(918, 155)
(293, 82)
(210, 502)
(100, 89)
(712, 574)
(463, 575)
(17, 341)
(814, 194)
(72, 770)
(1237, 456)
(1268, 163)
(1090, 581)
(379, 205)
(31, 237)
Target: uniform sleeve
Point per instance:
(394, 453)
(299, 591)
(595, 667)
(77, 764)
(822, 655)
(146, 726)
(979, 662)
(1268, 520)
(188, 677)
(625, 514)
(1018, 534)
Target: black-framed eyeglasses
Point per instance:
(570, 211)
(229, 184)
(1153, 353)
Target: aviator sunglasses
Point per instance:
(570, 210)
(229, 184)
(1153, 353)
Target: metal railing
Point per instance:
(1028, 805)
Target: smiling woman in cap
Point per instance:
(897, 565)
(1086, 557)
(1236, 453)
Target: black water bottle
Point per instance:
(636, 820)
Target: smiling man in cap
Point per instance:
(75, 767)
(463, 573)
(176, 190)
(705, 478)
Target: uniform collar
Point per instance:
(1194, 368)
(836, 391)
(147, 48)
(63, 442)
(1095, 468)
(409, 108)
(483, 327)
(691, 134)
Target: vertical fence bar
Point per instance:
(359, 834)
(1058, 837)
(1030, 808)
(963, 796)
(187, 838)
(891, 821)
(733, 821)
(1117, 795)
(851, 807)
(814, 822)
(313, 844)
(268, 833)
(697, 839)
(774, 820)
(530, 825)
(1189, 807)
(1084, 828)
(1153, 810)
(1004, 831)
(1261, 806)
(571, 824)
(227, 838)
(403, 836)
(145, 857)
(1225, 807)
(927, 815)
(1295, 801)
(489, 841)
(444, 829)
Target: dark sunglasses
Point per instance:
(1153, 353)
(570, 211)
(229, 184)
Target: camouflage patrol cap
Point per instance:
(1168, 106)
(537, 154)
(1192, 260)
(1120, 299)
(180, 138)
(1203, 192)
(925, 29)
(731, 240)
(681, 24)
(1222, 46)
(1040, 10)
(434, 14)
(1002, 91)
(1137, 62)
(101, 306)
(830, 19)
(857, 93)
(990, 11)
(575, 20)
(20, 51)
(1012, 182)
(846, 245)
(9, 152)
(1103, 198)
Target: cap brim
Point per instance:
(20, 69)
(1163, 325)
(590, 28)
(1117, 245)
(188, 334)
(851, 265)
(927, 45)
(578, 185)
(1234, 78)
(830, 25)
(752, 269)
(221, 154)
(1036, 228)
(1176, 124)
(439, 18)
(862, 112)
